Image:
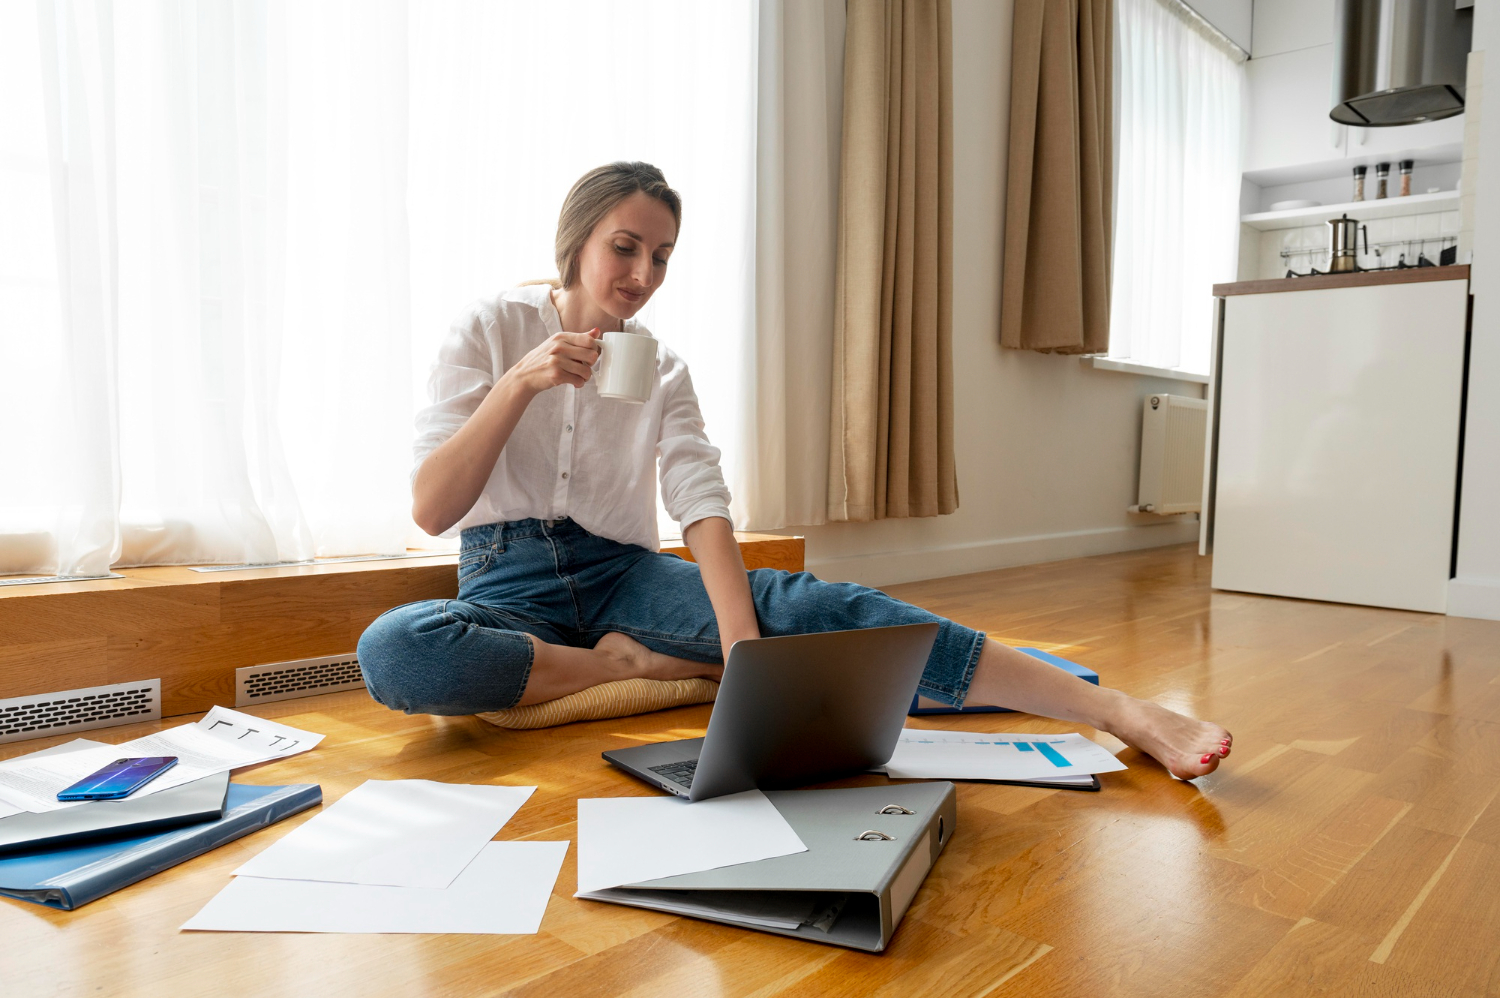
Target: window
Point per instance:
(233, 237)
(1178, 96)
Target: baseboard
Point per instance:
(888, 568)
(1471, 597)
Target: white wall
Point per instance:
(1290, 25)
(1047, 448)
(1475, 591)
(1233, 17)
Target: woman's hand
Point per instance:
(453, 476)
(561, 359)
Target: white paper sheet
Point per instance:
(964, 755)
(397, 833)
(6, 810)
(223, 740)
(504, 890)
(626, 840)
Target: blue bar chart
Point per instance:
(932, 754)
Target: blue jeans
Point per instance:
(566, 586)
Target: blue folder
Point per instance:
(75, 875)
(1087, 675)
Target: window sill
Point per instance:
(181, 575)
(758, 550)
(1130, 367)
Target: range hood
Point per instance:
(1399, 62)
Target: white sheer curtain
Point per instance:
(512, 102)
(1178, 125)
(239, 229)
(59, 470)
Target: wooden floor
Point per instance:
(1351, 845)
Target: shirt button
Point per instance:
(565, 474)
(570, 427)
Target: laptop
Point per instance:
(794, 710)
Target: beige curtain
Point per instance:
(891, 438)
(1055, 292)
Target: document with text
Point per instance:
(223, 740)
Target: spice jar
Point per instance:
(1382, 173)
(1406, 166)
(1359, 184)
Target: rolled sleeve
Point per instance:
(692, 484)
(460, 379)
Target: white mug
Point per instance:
(627, 366)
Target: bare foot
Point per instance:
(1187, 747)
(635, 661)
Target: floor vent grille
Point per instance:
(45, 714)
(304, 677)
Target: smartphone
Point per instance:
(120, 778)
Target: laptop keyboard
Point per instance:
(680, 773)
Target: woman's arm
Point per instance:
(717, 553)
(450, 480)
(693, 493)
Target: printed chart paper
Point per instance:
(965, 755)
(223, 740)
(504, 890)
(626, 840)
(395, 833)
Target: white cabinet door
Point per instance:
(1290, 97)
(1291, 94)
(1338, 443)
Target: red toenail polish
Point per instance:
(1224, 751)
(1207, 758)
(1223, 741)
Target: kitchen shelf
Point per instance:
(1365, 211)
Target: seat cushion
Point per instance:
(617, 699)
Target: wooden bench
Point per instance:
(194, 629)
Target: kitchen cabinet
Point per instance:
(1292, 139)
(1336, 407)
(1290, 94)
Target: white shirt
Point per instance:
(573, 454)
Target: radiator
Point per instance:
(1173, 433)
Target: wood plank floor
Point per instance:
(1350, 846)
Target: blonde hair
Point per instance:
(595, 195)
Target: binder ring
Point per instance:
(874, 835)
(895, 809)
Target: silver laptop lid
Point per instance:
(802, 708)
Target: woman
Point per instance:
(561, 584)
